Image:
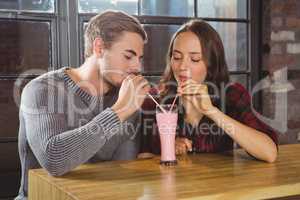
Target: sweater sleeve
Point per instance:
(56, 148)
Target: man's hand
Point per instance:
(131, 96)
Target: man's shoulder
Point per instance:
(55, 75)
(44, 81)
(38, 91)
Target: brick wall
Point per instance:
(281, 44)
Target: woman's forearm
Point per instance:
(256, 143)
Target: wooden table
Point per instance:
(232, 175)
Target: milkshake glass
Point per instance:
(167, 123)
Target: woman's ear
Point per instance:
(98, 47)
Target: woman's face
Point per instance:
(187, 59)
(122, 58)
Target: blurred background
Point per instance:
(261, 39)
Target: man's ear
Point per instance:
(98, 47)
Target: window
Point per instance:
(43, 35)
(223, 9)
(28, 43)
(28, 5)
(96, 6)
(162, 18)
(234, 37)
(159, 37)
(19, 51)
(168, 8)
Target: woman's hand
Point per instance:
(196, 94)
(193, 116)
(182, 146)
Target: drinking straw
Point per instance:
(157, 103)
(173, 102)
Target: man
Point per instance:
(71, 116)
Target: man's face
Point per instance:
(122, 58)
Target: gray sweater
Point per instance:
(62, 126)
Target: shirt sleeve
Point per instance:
(207, 137)
(239, 108)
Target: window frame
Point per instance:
(35, 17)
(67, 43)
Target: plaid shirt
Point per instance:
(207, 136)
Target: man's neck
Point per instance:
(88, 77)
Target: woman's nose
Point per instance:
(183, 65)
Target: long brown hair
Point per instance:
(213, 55)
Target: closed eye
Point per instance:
(196, 60)
(176, 57)
(128, 57)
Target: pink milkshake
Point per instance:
(167, 123)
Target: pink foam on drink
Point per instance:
(167, 123)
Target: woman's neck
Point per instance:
(193, 118)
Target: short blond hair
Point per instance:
(108, 26)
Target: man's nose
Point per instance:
(136, 68)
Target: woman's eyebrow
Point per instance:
(192, 52)
(177, 51)
(195, 52)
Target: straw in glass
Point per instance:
(157, 103)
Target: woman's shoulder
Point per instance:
(235, 87)
(236, 92)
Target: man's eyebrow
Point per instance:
(134, 53)
(131, 51)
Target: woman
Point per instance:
(197, 72)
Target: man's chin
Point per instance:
(114, 82)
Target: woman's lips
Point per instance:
(183, 78)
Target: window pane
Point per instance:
(9, 117)
(30, 5)
(96, 6)
(234, 37)
(222, 8)
(239, 78)
(154, 80)
(24, 45)
(156, 49)
(168, 7)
